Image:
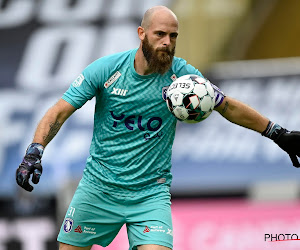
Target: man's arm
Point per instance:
(52, 122)
(45, 132)
(242, 114)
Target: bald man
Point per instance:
(127, 176)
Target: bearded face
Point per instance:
(159, 60)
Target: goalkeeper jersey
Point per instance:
(133, 128)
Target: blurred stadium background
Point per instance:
(231, 186)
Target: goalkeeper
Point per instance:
(127, 176)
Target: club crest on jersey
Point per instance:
(68, 225)
(164, 92)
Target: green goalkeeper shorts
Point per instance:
(95, 217)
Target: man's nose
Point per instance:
(167, 41)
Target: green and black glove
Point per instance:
(289, 141)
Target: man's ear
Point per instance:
(141, 33)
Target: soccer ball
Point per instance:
(190, 98)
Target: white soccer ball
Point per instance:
(190, 98)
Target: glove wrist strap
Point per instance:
(35, 149)
(273, 131)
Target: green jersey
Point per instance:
(133, 128)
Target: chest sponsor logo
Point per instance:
(121, 92)
(133, 122)
(112, 79)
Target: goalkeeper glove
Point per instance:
(289, 141)
(31, 164)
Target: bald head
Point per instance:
(155, 13)
(158, 33)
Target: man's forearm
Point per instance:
(52, 122)
(47, 128)
(243, 115)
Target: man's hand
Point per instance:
(290, 143)
(25, 170)
(286, 140)
(31, 164)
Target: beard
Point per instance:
(159, 60)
